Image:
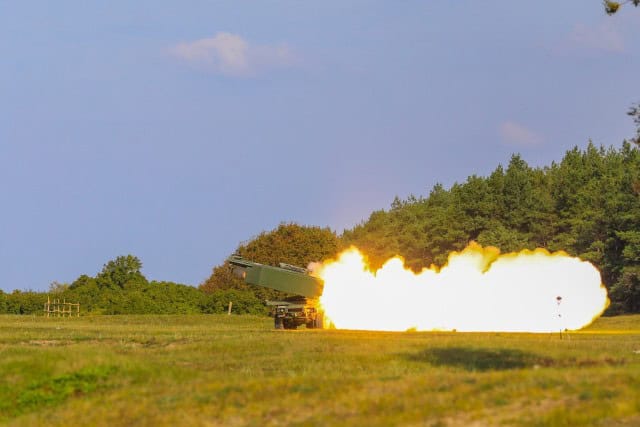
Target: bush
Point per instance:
(244, 302)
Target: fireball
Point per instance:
(478, 290)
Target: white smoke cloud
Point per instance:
(231, 55)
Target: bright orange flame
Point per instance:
(477, 290)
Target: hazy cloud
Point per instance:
(604, 37)
(231, 55)
(517, 135)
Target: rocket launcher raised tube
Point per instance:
(287, 278)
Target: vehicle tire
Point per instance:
(311, 325)
(278, 322)
(290, 325)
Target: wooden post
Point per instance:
(230, 304)
(56, 308)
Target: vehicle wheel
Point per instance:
(278, 322)
(290, 325)
(311, 325)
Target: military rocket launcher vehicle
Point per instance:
(301, 308)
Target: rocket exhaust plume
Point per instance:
(478, 290)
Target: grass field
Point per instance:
(236, 370)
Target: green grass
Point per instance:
(236, 370)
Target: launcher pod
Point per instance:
(301, 308)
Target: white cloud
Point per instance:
(517, 135)
(231, 55)
(603, 37)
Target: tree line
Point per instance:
(587, 204)
(121, 288)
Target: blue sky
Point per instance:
(176, 130)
